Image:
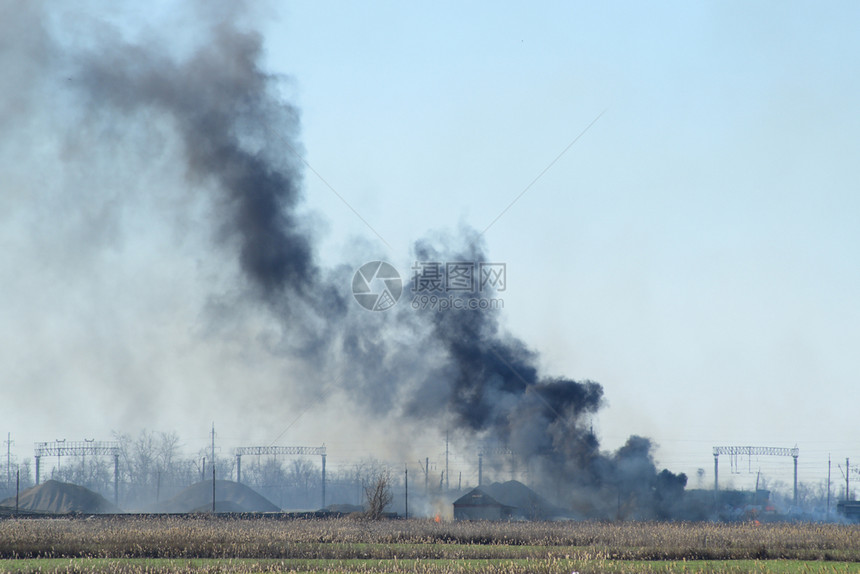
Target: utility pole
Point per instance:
(9, 459)
(716, 482)
(446, 461)
(425, 468)
(828, 484)
(847, 485)
(213, 444)
(213, 467)
(323, 480)
(116, 478)
(406, 482)
(795, 481)
(213, 488)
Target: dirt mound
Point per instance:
(61, 498)
(229, 497)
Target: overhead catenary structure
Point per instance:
(281, 450)
(753, 451)
(81, 448)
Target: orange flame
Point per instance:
(438, 518)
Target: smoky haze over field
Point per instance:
(123, 136)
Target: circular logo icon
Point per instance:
(377, 286)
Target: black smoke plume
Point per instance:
(240, 145)
(496, 392)
(459, 368)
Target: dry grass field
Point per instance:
(233, 544)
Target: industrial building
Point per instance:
(478, 505)
(510, 500)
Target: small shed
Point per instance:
(478, 505)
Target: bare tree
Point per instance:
(302, 474)
(26, 475)
(378, 495)
(166, 451)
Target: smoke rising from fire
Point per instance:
(238, 138)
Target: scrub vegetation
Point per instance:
(253, 544)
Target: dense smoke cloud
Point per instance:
(497, 392)
(238, 143)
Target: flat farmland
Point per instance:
(205, 543)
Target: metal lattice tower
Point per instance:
(753, 451)
(281, 450)
(80, 448)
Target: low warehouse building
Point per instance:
(510, 500)
(478, 505)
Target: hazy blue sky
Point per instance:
(695, 251)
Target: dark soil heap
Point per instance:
(229, 497)
(54, 497)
